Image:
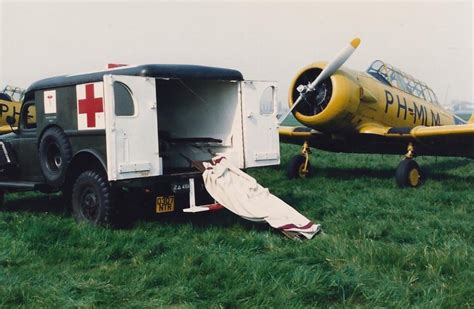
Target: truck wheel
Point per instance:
(92, 199)
(55, 153)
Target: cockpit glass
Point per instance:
(394, 77)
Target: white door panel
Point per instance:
(260, 125)
(131, 126)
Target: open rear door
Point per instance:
(131, 126)
(260, 124)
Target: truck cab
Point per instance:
(96, 136)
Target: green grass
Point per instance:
(381, 246)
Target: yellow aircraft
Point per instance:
(10, 105)
(381, 111)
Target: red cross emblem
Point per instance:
(90, 106)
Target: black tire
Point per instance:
(55, 153)
(2, 198)
(295, 168)
(93, 199)
(408, 174)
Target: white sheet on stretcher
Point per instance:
(242, 195)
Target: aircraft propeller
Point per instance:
(330, 68)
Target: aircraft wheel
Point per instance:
(408, 174)
(296, 166)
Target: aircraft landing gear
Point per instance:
(408, 173)
(299, 166)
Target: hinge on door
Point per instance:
(110, 79)
(240, 100)
(153, 106)
(113, 126)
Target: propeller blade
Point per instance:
(289, 112)
(336, 63)
(330, 68)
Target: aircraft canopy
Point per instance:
(394, 77)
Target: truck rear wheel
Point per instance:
(55, 153)
(92, 199)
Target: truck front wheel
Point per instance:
(93, 200)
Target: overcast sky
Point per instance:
(431, 41)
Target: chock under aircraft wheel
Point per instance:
(408, 174)
(296, 168)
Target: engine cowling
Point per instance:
(331, 105)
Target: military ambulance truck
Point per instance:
(100, 136)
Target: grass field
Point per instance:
(381, 246)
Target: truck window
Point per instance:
(266, 101)
(124, 105)
(28, 118)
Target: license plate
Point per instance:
(164, 204)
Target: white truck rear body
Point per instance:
(173, 121)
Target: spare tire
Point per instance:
(55, 153)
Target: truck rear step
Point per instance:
(193, 208)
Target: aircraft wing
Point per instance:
(314, 138)
(458, 138)
(465, 130)
(422, 133)
(297, 135)
(450, 140)
(5, 129)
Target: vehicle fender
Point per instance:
(83, 160)
(89, 153)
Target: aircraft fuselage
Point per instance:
(360, 102)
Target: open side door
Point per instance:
(131, 127)
(260, 124)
